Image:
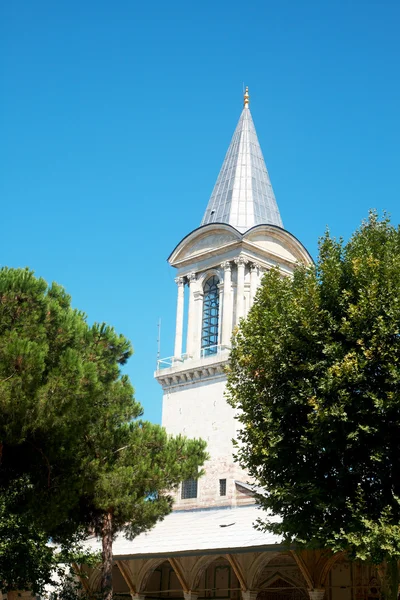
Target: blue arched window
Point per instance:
(209, 329)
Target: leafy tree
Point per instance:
(315, 370)
(72, 455)
(27, 560)
(21, 543)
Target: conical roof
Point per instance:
(243, 194)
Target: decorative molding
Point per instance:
(192, 277)
(240, 260)
(226, 265)
(210, 242)
(191, 375)
(254, 267)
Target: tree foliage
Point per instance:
(73, 454)
(134, 469)
(315, 370)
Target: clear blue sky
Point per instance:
(115, 118)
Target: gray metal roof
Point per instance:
(243, 195)
(196, 532)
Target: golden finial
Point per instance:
(246, 97)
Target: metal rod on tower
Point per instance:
(158, 339)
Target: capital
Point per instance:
(254, 267)
(241, 260)
(249, 594)
(226, 265)
(180, 281)
(190, 595)
(192, 277)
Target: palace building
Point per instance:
(208, 548)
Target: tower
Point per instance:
(219, 266)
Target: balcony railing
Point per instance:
(173, 361)
(212, 350)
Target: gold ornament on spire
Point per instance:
(246, 97)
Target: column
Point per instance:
(227, 309)
(198, 322)
(261, 273)
(253, 282)
(220, 310)
(179, 317)
(191, 316)
(241, 262)
(316, 594)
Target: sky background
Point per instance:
(115, 118)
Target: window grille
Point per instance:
(222, 487)
(189, 489)
(209, 330)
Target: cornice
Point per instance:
(195, 372)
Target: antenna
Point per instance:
(158, 339)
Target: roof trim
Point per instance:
(209, 226)
(242, 235)
(213, 552)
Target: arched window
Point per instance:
(209, 330)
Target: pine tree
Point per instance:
(69, 432)
(132, 472)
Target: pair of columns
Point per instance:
(227, 324)
(226, 304)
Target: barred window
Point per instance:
(189, 489)
(209, 330)
(222, 487)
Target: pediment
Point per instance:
(205, 241)
(273, 246)
(209, 242)
(278, 242)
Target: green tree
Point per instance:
(21, 543)
(73, 455)
(315, 370)
(132, 472)
(57, 373)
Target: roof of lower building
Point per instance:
(243, 194)
(208, 531)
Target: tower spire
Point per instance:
(246, 98)
(243, 196)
